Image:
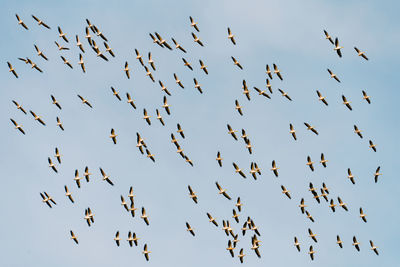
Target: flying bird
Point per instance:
(144, 216)
(40, 22)
(339, 242)
(193, 24)
(59, 123)
(356, 244)
(372, 146)
(17, 126)
(337, 47)
(231, 36)
(55, 102)
(277, 71)
(190, 229)
(62, 35)
(311, 128)
(126, 69)
(328, 37)
(73, 237)
(197, 39)
(373, 247)
(203, 67)
(377, 173)
(178, 46)
(274, 169)
(19, 106)
(360, 53)
(345, 102)
(20, 22)
(322, 98)
(130, 100)
(286, 192)
(333, 75)
(323, 160)
(231, 132)
(12, 70)
(238, 170)
(113, 136)
(40, 53)
(68, 194)
(85, 101)
(236, 63)
(105, 177)
(66, 62)
(37, 118)
(238, 107)
(366, 97)
(362, 215)
(222, 191)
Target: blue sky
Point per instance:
(288, 33)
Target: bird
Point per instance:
(105, 177)
(144, 216)
(124, 204)
(236, 63)
(187, 64)
(126, 69)
(139, 57)
(241, 255)
(310, 163)
(222, 191)
(323, 160)
(189, 229)
(325, 188)
(180, 130)
(59, 124)
(297, 244)
(37, 118)
(117, 238)
(146, 117)
(20, 22)
(235, 216)
(166, 105)
(77, 179)
(40, 53)
(311, 252)
(377, 173)
(302, 205)
(33, 65)
(277, 72)
(231, 36)
(11, 69)
(328, 37)
(342, 204)
(333, 75)
(19, 106)
(48, 199)
(17, 126)
(309, 216)
(113, 136)
(197, 86)
(108, 49)
(60, 47)
(159, 117)
(155, 40)
(268, 85)
(82, 63)
(292, 131)
(57, 155)
(238, 170)
(350, 176)
(373, 247)
(98, 33)
(231, 132)
(73, 237)
(51, 165)
(79, 44)
(68, 194)
(66, 62)
(262, 92)
(337, 47)
(130, 100)
(162, 41)
(357, 131)
(151, 62)
(230, 248)
(360, 53)
(55, 102)
(219, 159)
(40, 22)
(324, 194)
(311, 128)
(347, 103)
(149, 155)
(178, 81)
(87, 174)
(211, 219)
(274, 169)
(339, 242)
(62, 35)
(362, 215)
(178, 46)
(286, 192)
(238, 107)
(203, 67)
(197, 39)
(366, 97)
(356, 244)
(115, 93)
(246, 90)
(192, 194)
(322, 98)
(132, 238)
(85, 101)
(312, 235)
(193, 24)
(332, 205)
(268, 71)
(372, 146)
(146, 252)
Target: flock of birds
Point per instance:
(319, 194)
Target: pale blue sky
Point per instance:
(288, 33)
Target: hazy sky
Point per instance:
(288, 33)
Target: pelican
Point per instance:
(366, 97)
(130, 100)
(323, 160)
(159, 117)
(203, 67)
(238, 170)
(79, 44)
(55, 102)
(321, 98)
(222, 191)
(59, 124)
(373, 247)
(178, 81)
(231, 36)
(197, 39)
(187, 64)
(219, 159)
(61, 47)
(377, 173)
(17, 126)
(345, 102)
(113, 136)
(286, 192)
(311, 128)
(189, 229)
(73, 237)
(197, 86)
(268, 71)
(277, 72)
(166, 105)
(193, 24)
(192, 194)
(117, 238)
(139, 57)
(232, 132)
(40, 53)
(144, 216)
(19, 106)
(126, 69)
(296, 244)
(11, 69)
(82, 63)
(333, 75)
(212, 220)
(239, 204)
(372, 146)
(310, 163)
(312, 235)
(68, 194)
(163, 88)
(105, 177)
(309, 216)
(328, 37)
(77, 179)
(146, 252)
(40, 22)
(230, 248)
(178, 46)
(37, 118)
(311, 252)
(362, 215)
(163, 42)
(238, 107)
(274, 169)
(302, 205)
(84, 101)
(338, 47)
(66, 62)
(146, 117)
(339, 242)
(342, 204)
(356, 244)
(360, 53)
(350, 176)
(241, 255)
(57, 155)
(262, 92)
(236, 63)
(180, 130)
(62, 35)
(20, 22)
